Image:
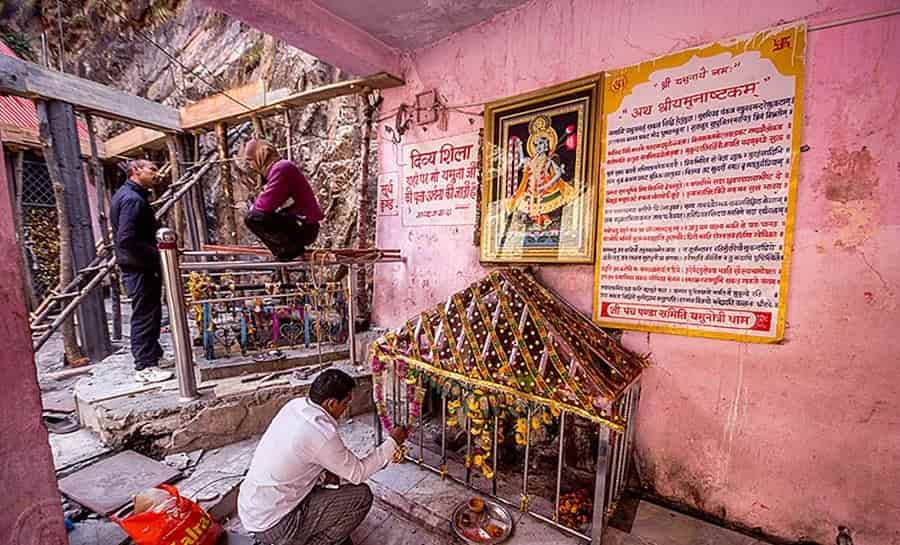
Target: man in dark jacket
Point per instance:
(134, 231)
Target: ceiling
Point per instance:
(411, 24)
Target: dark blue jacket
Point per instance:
(134, 228)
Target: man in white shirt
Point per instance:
(280, 501)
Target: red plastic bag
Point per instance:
(183, 523)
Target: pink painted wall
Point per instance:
(795, 439)
(30, 509)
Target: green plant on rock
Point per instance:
(18, 42)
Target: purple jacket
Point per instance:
(284, 182)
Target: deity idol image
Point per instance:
(542, 188)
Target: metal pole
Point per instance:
(559, 463)
(496, 455)
(443, 428)
(395, 379)
(527, 453)
(254, 265)
(184, 356)
(379, 433)
(468, 448)
(600, 484)
(351, 315)
(421, 427)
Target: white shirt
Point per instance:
(301, 441)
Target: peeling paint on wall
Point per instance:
(849, 182)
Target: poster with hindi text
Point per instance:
(439, 181)
(700, 166)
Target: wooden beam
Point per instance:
(233, 102)
(204, 113)
(60, 134)
(29, 80)
(217, 108)
(134, 140)
(275, 104)
(25, 137)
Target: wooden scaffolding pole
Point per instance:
(98, 176)
(59, 135)
(258, 130)
(190, 146)
(178, 219)
(195, 213)
(289, 135)
(227, 186)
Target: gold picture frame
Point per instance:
(541, 151)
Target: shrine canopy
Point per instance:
(510, 335)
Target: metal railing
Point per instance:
(221, 264)
(614, 450)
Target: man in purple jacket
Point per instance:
(286, 214)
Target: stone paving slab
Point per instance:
(70, 449)
(108, 485)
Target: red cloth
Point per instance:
(284, 182)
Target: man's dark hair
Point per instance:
(134, 165)
(331, 384)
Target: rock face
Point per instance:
(175, 52)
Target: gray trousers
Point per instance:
(324, 517)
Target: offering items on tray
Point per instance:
(482, 522)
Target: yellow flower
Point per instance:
(545, 416)
(477, 421)
(487, 471)
(535, 423)
(410, 380)
(479, 460)
(473, 404)
(476, 431)
(521, 425)
(554, 411)
(453, 404)
(520, 439)
(452, 423)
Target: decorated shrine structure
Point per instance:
(508, 359)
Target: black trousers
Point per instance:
(145, 290)
(283, 234)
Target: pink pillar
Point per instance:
(30, 509)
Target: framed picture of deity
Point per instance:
(539, 189)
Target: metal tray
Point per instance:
(476, 535)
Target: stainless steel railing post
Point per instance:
(167, 241)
